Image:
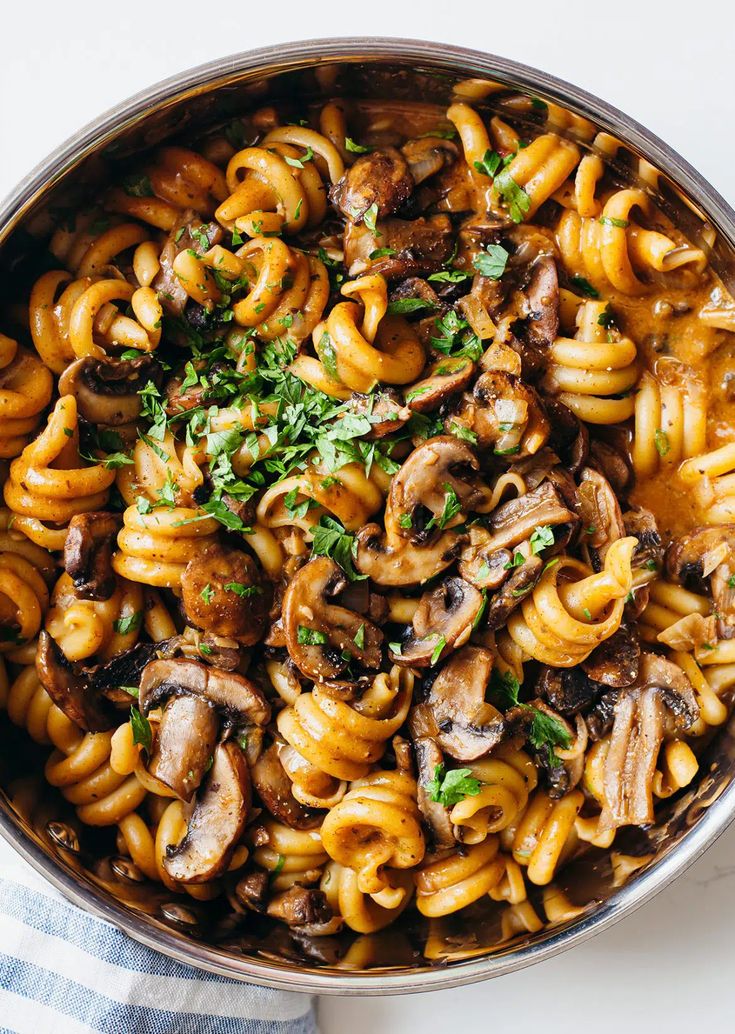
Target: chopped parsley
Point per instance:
(359, 637)
(492, 261)
(331, 539)
(516, 199)
(489, 164)
(130, 623)
(207, 594)
(449, 788)
(310, 636)
(541, 537)
(370, 217)
(142, 734)
(354, 148)
(661, 441)
(545, 731)
(584, 286)
(243, 591)
(437, 651)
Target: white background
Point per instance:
(670, 65)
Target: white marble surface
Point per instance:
(671, 67)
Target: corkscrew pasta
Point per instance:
(368, 546)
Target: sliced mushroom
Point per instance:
(70, 690)
(274, 789)
(636, 738)
(569, 690)
(649, 553)
(427, 155)
(512, 594)
(516, 520)
(88, 549)
(456, 713)
(417, 247)
(391, 560)
(300, 906)
(238, 698)
(435, 815)
(616, 661)
(569, 437)
(443, 621)
(185, 741)
(251, 890)
(107, 390)
(614, 464)
(380, 178)
(436, 472)
(542, 299)
(482, 565)
(444, 378)
(222, 593)
(505, 414)
(217, 822)
(318, 633)
(602, 520)
(708, 553)
(124, 669)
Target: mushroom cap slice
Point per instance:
(516, 520)
(319, 632)
(467, 726)
(601, 516)
(380, 178)
(615, 662)
(238, 697)
(185, 740)
(222, 593)
(107, 390)
(395, 561)
(708, 553)
(217, 822)
(444, 618)
(88, 549)
(274, 789)
(444, 378)
(542, 301)
(71, 692)
(505, 414)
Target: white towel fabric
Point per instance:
(63, 971)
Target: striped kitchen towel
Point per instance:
(63, 971)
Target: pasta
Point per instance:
(368, 544)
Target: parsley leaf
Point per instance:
(452, 507)
(661, 441)
(331, 539)
(541, 537)
(354, 148)
(403, 306)
(489, 163)
(141, 727)
(243, 591)
(437, 651)
(370, 217)
(491, 262)
(131, 623)
(516, 199)
(449, 788)
(585, 286)
(310, 636)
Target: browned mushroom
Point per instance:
(427, 155)
(167, 285)
(636, 738)
(614, 463)
(443, 620)
(615, 662)
(569, 690)
(708, 553)
(274, 789)
(222, 593)
(456, 713)
(505, 414)
(542, 299)
(391, 560)
(444, 378)
(217, 822)
(649, 553)
(417, 247)
(70, 690)
(238, 698)
(300, 906)
(107, 390)
(198, 699)
(251, 890)
(381, 178)
(482, 565)
(318, 633)
(436, 486)
(512, 594)
(185, 741)
(516, 520)
(88, 548)
(569, 437)
(602, 520)
(435, 815)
